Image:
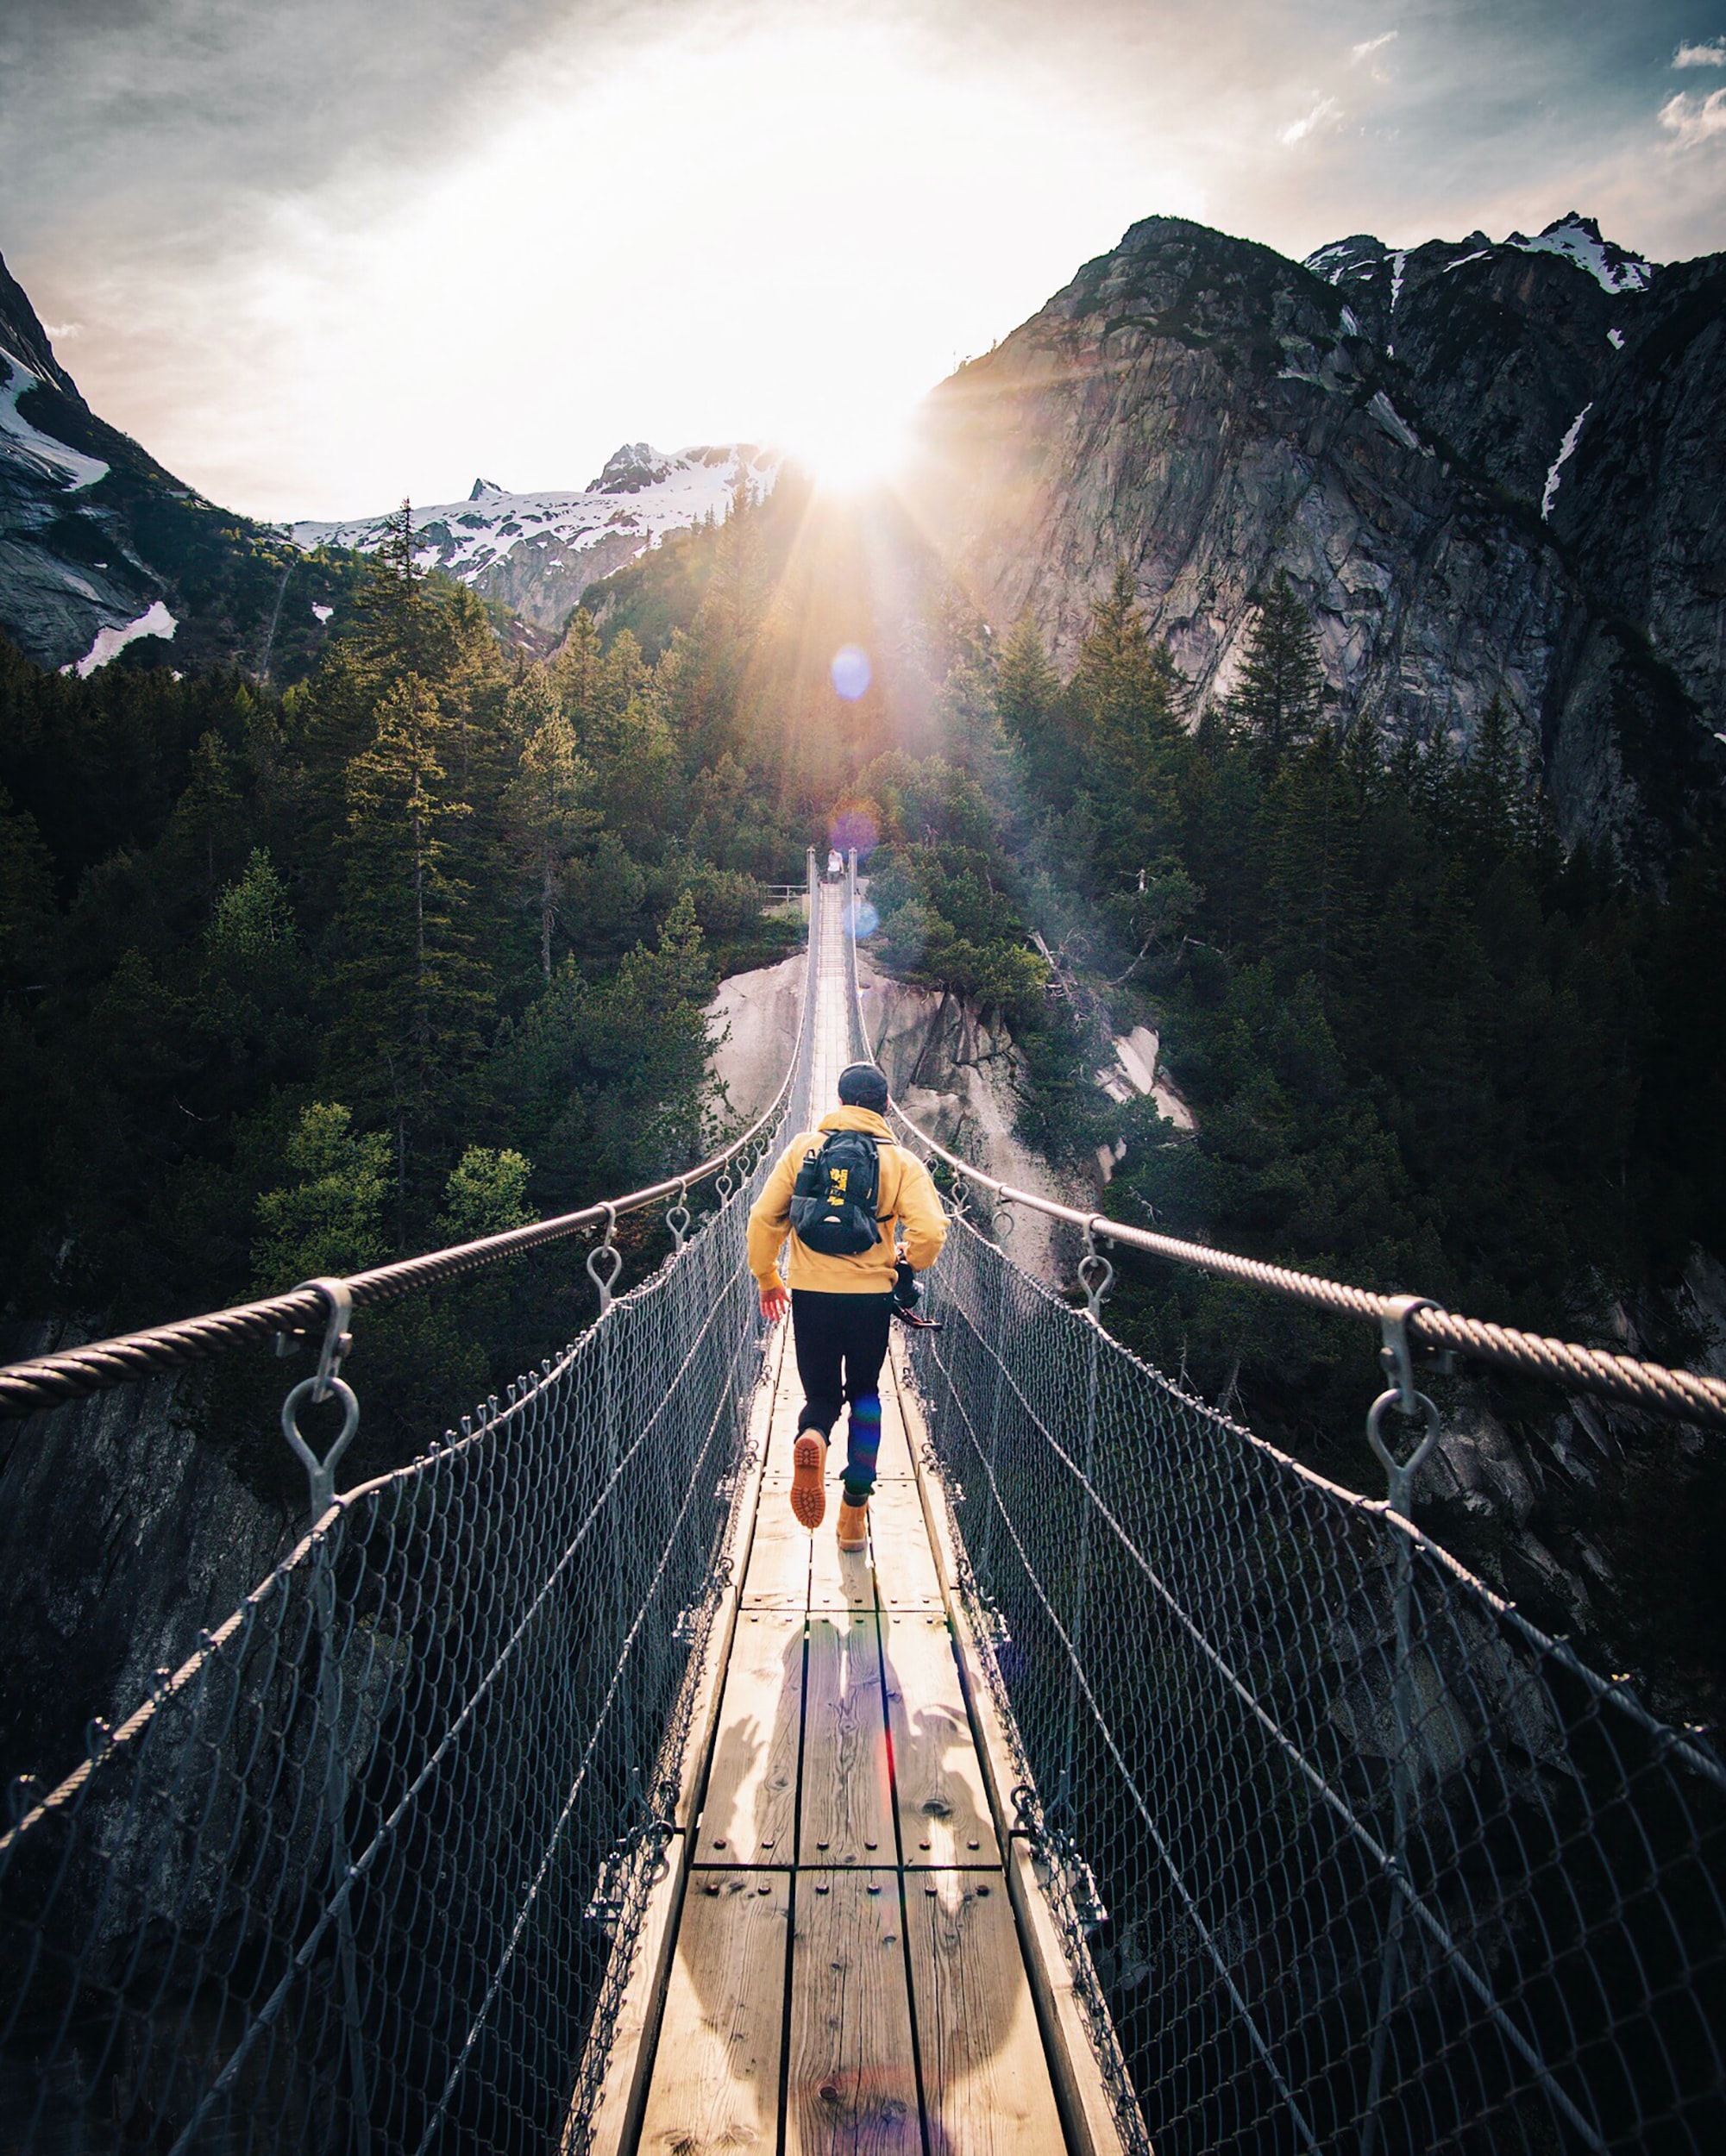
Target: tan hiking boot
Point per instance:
(854, 1527)
(808, 1473)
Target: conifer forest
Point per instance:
(298, 977)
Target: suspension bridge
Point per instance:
(1136, 1787)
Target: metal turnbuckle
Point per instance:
(1405, 1396)
(605, 1278)
(326, 1382)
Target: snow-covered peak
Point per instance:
(1360, 254)
(1579, 239)
(539, 552)
(635, 466)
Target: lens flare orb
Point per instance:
(851, 672)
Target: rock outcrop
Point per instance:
(1385, 430)
(122, 1535)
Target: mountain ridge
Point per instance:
(101, 548)
(538, 552)
(1213, 414)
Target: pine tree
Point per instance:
(1309, 841)
(1027, 696)
(1279, 698)
(414, 996)
(1490, 806)
(545, 810)
(1126, 695)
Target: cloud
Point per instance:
(1694, 120)
(1325, 112)
(1710, 54)
(1369, 46)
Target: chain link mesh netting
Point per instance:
(1362, 1860)
(366, 1873)
(1356, 1856)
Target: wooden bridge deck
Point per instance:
(847, 1968)
(836, 1958)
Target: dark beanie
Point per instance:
(862, 1086)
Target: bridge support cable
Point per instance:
(1362, 1860)
(365, 1872)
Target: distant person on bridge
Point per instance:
(844, 1195)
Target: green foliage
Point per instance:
(330, 1219)
(1423, 1048)
(1280, 698)
(464, 896)
(486, 1194)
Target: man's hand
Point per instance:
(774, 1301)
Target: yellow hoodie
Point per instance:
(905, 1199)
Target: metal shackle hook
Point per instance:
(1096, 1275)
(325, 1382)
(1406, 1397)
(605, 1279)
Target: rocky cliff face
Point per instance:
(1396, 432)
(121, 1535)
(103, 551)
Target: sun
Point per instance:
(850, 450)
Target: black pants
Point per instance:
(841, 1343)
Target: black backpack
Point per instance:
(833, 1200)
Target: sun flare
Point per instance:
(848, 451)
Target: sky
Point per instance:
(317, 254)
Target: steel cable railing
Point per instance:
(365, 1873)
(1358, 1857)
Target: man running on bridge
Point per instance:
(842, 1194)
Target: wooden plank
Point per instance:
(716, 2075)
(778, 1574)
(943, 1801)
(836, 1581)
(787, 1401)
(851, 2084)
(986, 2084)
(904, 1563)
(846, 1814)
(623, 2090)
(1081, 2089)
(751, 1812)
(893, 1461)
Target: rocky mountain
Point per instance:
(104, 551)
(537, 554)
(1492, 470)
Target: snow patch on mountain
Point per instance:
(538, 552)
(1567, 449)
(155, 621)
(49, 458)
(1578, 238)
